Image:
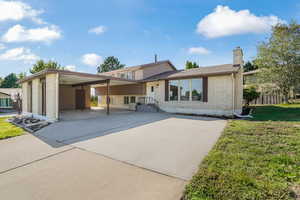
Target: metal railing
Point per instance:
(147, 100)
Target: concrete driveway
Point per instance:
(122, 156)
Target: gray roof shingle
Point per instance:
(201, 71)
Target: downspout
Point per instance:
(233, 94)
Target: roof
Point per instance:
(201, 71)
(133, 68)
(251, 72)
(66, 72)
(10, 91)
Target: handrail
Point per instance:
(147, 100)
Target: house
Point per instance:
(269, 93)
(215, 90)
(250, 78)
(8, 96)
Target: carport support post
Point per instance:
(107, 97)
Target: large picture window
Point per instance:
(186, 90)
(197, 90)
(173, 92)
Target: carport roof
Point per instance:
(4, 93)
(77, 77)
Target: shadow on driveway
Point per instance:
(72, 131)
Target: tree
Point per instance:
(21, 75)
(191, 65)
(250, 94)
(279, 58)
(41, 65)
(249, 66)
(10, 81)
(110, 63)
(188, 65)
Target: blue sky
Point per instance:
(80, 34)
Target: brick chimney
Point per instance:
(238, 57)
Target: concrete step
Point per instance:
(147, 108)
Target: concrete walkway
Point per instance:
(125, 156)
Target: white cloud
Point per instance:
(225, 21)
(17, 10)
(91, 59)
(71, 67)
(19, 54)
(19, 33)
(98, 30)
(2, 46)
(198, 50)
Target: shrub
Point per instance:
(250, 94)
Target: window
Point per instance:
(152, 89)
(5, 102)
(122, 75)
(173, 92)
(130, 75)
(185, 90)
(126, 100)
(132, 99)
(189, 90)
(197, 90)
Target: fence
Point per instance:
(273, 98)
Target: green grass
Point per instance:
(257, 159)
(8, 130)
(282, 112)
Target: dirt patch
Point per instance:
(296, 191)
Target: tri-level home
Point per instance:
(213, 90)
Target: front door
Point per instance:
(80, 99)
(153, 92)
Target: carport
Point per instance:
(51, 91)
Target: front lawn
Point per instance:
(257, 159)
(8, 130)
(282, 112)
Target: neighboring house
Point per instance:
(250, 78)
(269, 94)
(215, 90)
(8, 96)
(5, 101)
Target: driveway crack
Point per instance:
(40, 159)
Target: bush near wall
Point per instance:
(94, 101)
